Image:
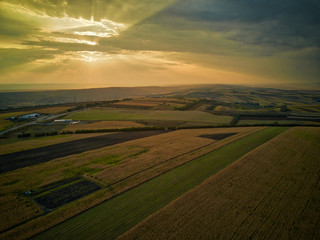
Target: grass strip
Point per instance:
(115, 216)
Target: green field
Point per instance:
(130, 114)
(279, 122)
(111, 218)
(4, 124)
(267, 122)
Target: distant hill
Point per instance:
(244, 94)
(220, 93)
(38, 98)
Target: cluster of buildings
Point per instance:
(25, 117)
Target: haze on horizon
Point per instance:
(106, 43)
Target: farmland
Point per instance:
(15, 144)
(270, 193)
(65, 194)
(124, 166)
(153, 151)
(96, 222)
(31, 157)
(155, 103)
(103, 125)
(130, 114)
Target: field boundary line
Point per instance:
(180, 155)
(149, 179)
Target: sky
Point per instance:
(57, 44)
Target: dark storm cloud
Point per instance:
(293, 23)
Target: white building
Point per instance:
(63, 121)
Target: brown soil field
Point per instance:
(140, 160)
(270, 193)
(23, 144)
(31, 157)
(103, 125)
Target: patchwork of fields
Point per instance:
(31, 157)
(103, 125)
(109, 114)
(271, 193)
(134, 205)
(72, 196)
(123, 166)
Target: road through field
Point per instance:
(12, 161)
(115, 216)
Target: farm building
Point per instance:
(30, 116)
(63, 121)
(26, 116)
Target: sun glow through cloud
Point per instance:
(147, 42)
(74, 27)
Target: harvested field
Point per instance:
(152, 195)
(130, 114)
(31, 157)
(165, 152)
(66, 194)
(104, 125)
(20, 144)
(271, 193)
(140, 160)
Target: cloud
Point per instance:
(40, 25)
(276, 39)
(290, 23)
(79, 26)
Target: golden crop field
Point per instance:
(131, 157)
(103, 125)
(151, 195)
(270, 193)
(176, 145)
